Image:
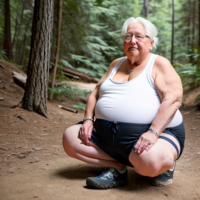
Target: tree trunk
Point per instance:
(57, 46)
(146, 8)
(172, 42)
(7, 33)
(18, 24)
(198, 61)
(35, 96)
(199, 27)
(54, 33)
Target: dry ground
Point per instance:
(33, 164)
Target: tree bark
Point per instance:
(199, 26)
(54, 33)
(57, 46)
(35, 96)
(146, 8)
(198, 61)
(172, 41)
(7, 33)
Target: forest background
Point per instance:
(90, 35)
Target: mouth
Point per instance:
(133, 48)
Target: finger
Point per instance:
(142, 145)
(149, 147)
(87, 140)
(82, 135)
(89, 134)
(90, 130)
(79, 135)
(138, 144)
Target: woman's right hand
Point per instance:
(86, 131)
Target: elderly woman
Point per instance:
(138, 123)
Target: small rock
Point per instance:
(198, 153)
(37, 148)
(18, 147)
(3, 149)
(21, 156)
(36, 160)
(12, 170)
(36, 196)
(1, 99)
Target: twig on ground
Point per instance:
(195, 128)
(189, 112)
(3, 92)
(197, 117)
(68, 109)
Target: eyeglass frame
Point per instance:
(123, 37)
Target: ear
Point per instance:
(151, 45)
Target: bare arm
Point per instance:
(169, 87)
(87, 127)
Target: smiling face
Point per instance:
(135, 49)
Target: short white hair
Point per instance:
(151, 30)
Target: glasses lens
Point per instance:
(139, 38)
(128, 37)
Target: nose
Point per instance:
(133, 40)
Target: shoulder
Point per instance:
(162, 63)
(164, 75)
(162, 66)
(114, 62)
(110, 68)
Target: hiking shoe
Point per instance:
(163, 179)
(110, 178)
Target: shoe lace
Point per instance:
(166, 173)
(110, 173)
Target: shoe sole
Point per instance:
(114, 184)
(160, 183)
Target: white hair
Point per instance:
(151, 30)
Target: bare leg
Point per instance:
(157, 160)
(74, 147)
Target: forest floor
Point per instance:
(33, 164)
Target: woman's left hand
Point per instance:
(145, 142)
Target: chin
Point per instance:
(133, 53)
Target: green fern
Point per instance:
(188, 75)
(3, 55)
(70, 91)
(80, 106)
(197, 98)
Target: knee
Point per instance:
(153, 165)
(148, 168)
(68, 143)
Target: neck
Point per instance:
(133, 62)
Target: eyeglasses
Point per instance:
(138, 37)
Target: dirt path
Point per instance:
(33, 164)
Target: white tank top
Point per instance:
(135, 101)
